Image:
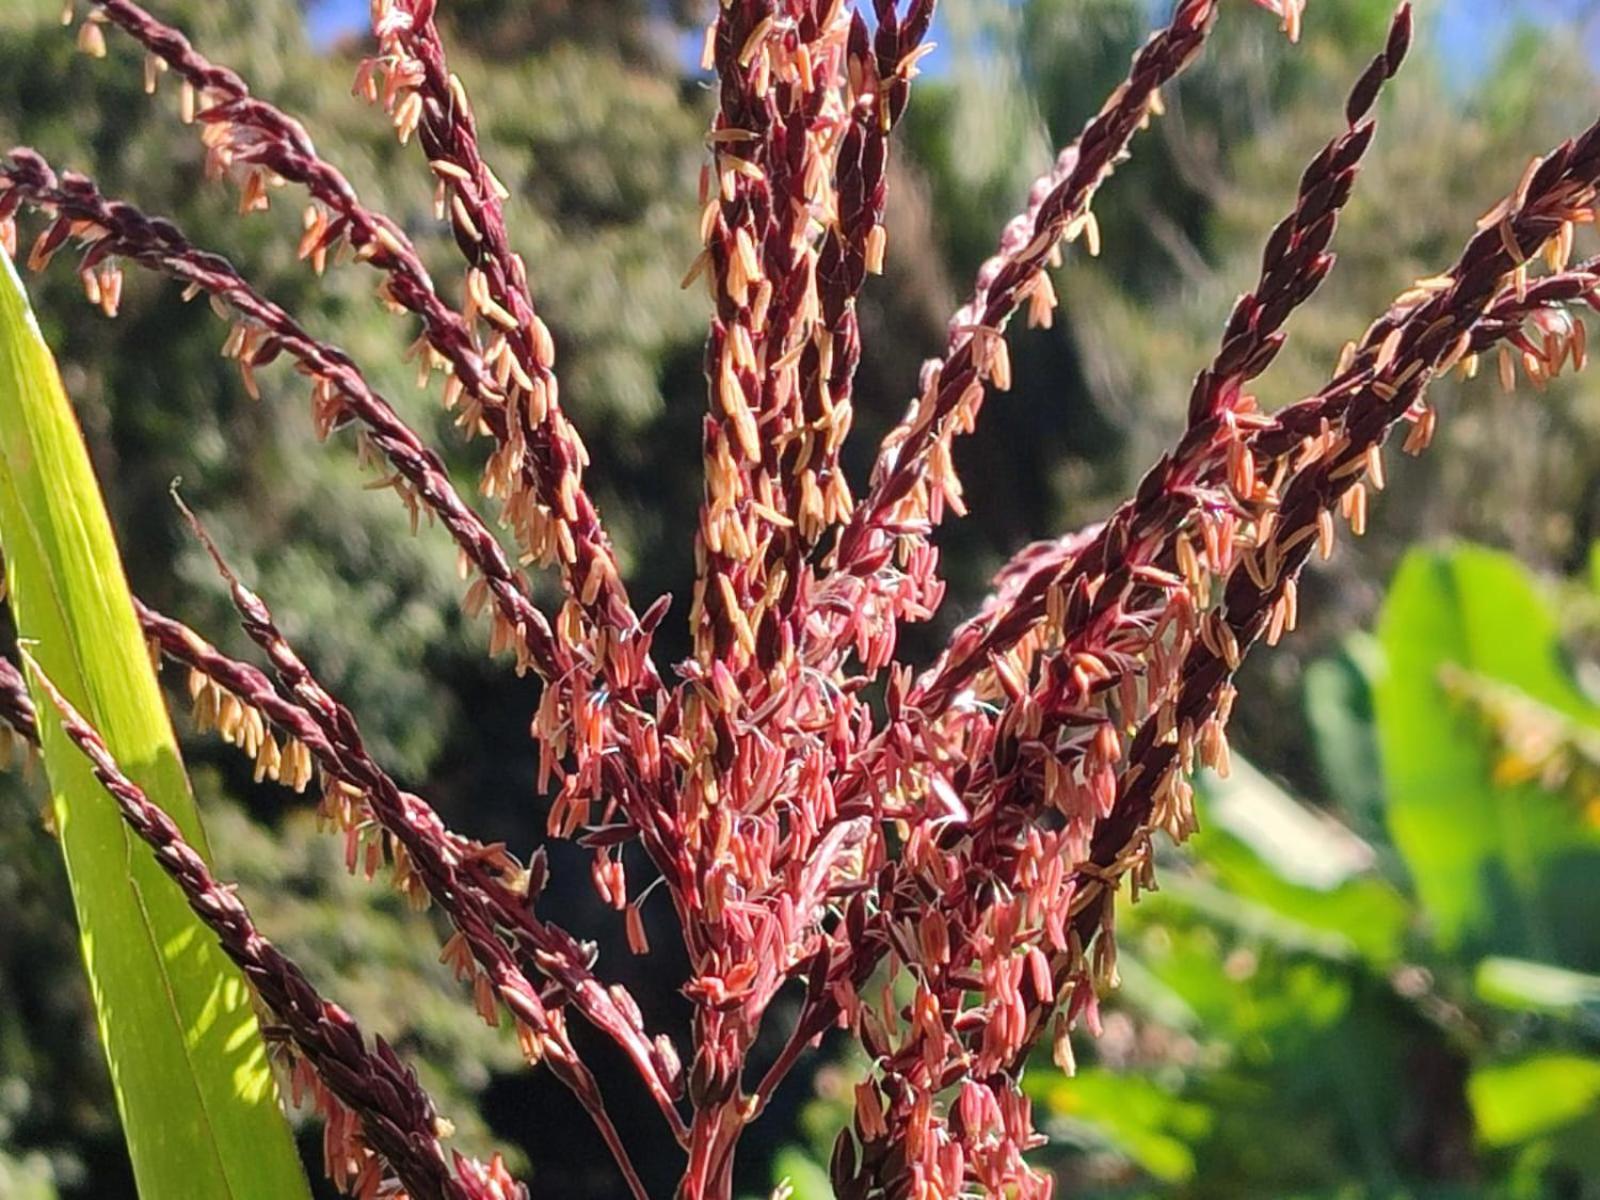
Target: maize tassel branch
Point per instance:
(970, 834)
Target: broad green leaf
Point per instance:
(1536, 987)
(1147, 992)
(1338, 703)
(806, 1178)
(1287, 1099)
(1290, 874)
(198, 1104)
(1495, 867)
(1131, 1114)
(1303, 847)
(1226, 909)
(1513, 1102)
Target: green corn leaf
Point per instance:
(199, 1107)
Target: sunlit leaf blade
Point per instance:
(805, 1178)
(1513, 1102)
(1537, 987)
(1496, 866)
(1274, 870)
(1133, 1115)
(198, 1104)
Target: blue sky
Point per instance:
(1469, 32)
(1471, 29)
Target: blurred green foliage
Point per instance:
(1495, 867)
(1313, 1007)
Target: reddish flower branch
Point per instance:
(1056, 580)
(16, 706)
(913, 481)
(505, 887)
(481, 893)
(538, 470)
(499, 358)
(109, 230)
(940, 875)
(510, 386)
(1327, 447)
(780, 117)
(378, 1117)
(1220, 417)
(569, 719)
(1331, 441)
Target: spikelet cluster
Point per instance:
(940, 873)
